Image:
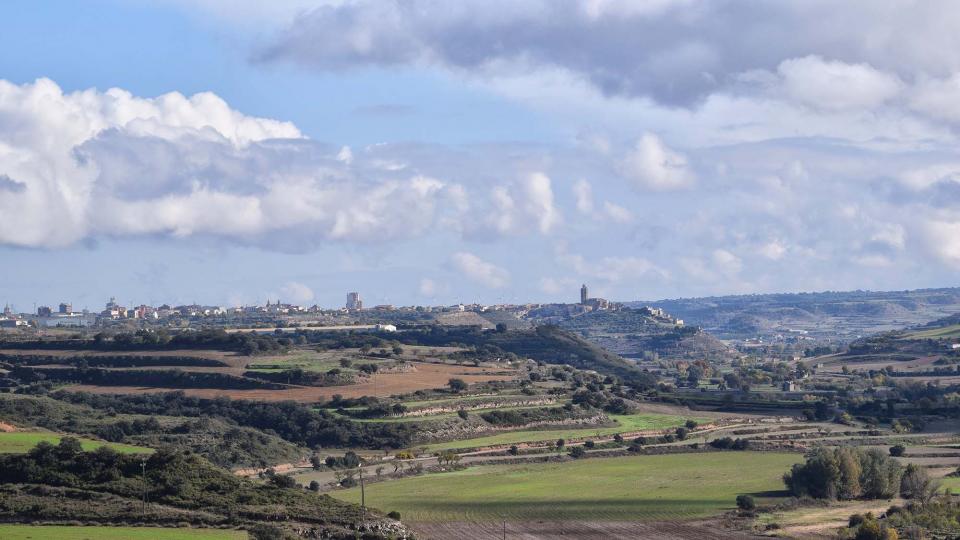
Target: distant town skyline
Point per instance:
(301, 149)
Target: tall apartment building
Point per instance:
(354, 301)
(583, 294)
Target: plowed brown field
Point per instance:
(426, 376)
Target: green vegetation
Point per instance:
(220, 441)
(63, 483)
(19, 442)
(31, 532)
(951, 331)
(666, 487)
(845, 473)
(625, 423)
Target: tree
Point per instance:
(845, 473)
(283, 481)
(457, 385)
(559, 445)
(501, 328)
(514, 450)
(314, 485)
(917, 485)
(577, 452)
(746, 502)
(682, 433)
(397, 350)
(897, 450)
(462, 413)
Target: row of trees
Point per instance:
(855, 473)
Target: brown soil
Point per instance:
(562, 530)
(427, 376)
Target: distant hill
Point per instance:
(829, 316)
(633, 334)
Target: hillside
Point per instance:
(634, 334)
(63, 483)
(828, 316)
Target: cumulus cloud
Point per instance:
(296, 292)
(651, 165)
(480, 271)
(539, 201)
(114, 165)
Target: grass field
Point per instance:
(951, 331)
(625, 423)
(25, 532)
(634, 488)
(18, 442)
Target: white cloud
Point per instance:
(943, 240)
(428, 288)
(583, 193)
(938, 98)
(296, 293)
(651, 165)
(726, 263)
(926, 177)
(831, 84)
(539, 202)
(480, 271)
(773, 250)
(617, 213)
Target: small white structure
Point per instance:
(386, 328)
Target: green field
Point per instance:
(625, 423)
(951, 331)
(30, 532)
(633, 488)
(19, 442)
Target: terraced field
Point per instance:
(18, 442)
(634, 488)
(951, 331)
(31, 532)
(625, 424)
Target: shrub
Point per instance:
(898, 450)
(577, 452)
(514, 450)
(394, 515)
(462, 413)
(746, 502)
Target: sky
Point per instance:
(227, 152)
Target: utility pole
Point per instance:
(143, 468)
(504, 529)
(363, 496)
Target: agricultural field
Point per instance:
(625, 424)
(632, 488)
(46, 532)
(423, 376)
(945, 332)
(18, 442)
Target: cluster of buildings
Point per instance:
(65, 316)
